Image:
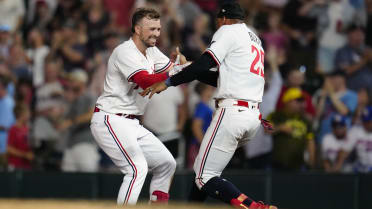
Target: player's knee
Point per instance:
(200, 181)
(172, 164)
(168, 164)
(142, 169)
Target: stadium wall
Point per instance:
(287, 190)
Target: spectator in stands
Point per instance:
(66, 11)
(360, 140)
(20, 154)
(333, 146)
(5, 42)
(258, 149)
(97, 65)
(275, 38)
(200, 121)
(6, 120)
(295, 79)
(369, 23)
(333, 17)
(170, 107)
(199, 38)
(189, 11)
(24, 92)
(293, 135)
(51, 89)
(45, 136)
(96, 19)
(40, 14)
(81, 153)
(68, 45)
(11, 13)
(4, 71)
(120, 11)
(301, 31)
(49, 111)
(355, 59)
(335, 98)
(18, 62)
(37, 53)
(364, 99)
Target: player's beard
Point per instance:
(148, 43)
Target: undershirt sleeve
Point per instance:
(198, 70)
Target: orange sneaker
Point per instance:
(261, 205)
(254, 205)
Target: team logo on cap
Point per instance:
(223, 10)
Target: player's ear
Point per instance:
(137, 29)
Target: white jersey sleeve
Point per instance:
(352, 138)
(221, 44)
(161, 62)
(129, 64)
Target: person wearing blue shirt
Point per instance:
(7, 118)
(335, 99)
(355, 59)
(201, 120)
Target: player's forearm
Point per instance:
(143, 79)
(194, 71)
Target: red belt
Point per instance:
(129, 116)
(239, 103)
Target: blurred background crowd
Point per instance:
(318, 72)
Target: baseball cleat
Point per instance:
(261, 205)
(254, 205)
(159, 197)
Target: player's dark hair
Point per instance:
(141, 13)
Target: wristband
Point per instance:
(168, 82)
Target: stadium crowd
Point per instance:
(318, 72)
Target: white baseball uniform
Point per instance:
(331, 146)
(240, 57)
(132, 148)
(361, 141)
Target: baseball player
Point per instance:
(360, 139)
(136, 63)
(237, 52)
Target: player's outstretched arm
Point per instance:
(155, 88)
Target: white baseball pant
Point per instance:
(231, 127)
(135, 150)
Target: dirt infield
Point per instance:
(91, 204)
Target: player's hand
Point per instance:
(155, 88)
